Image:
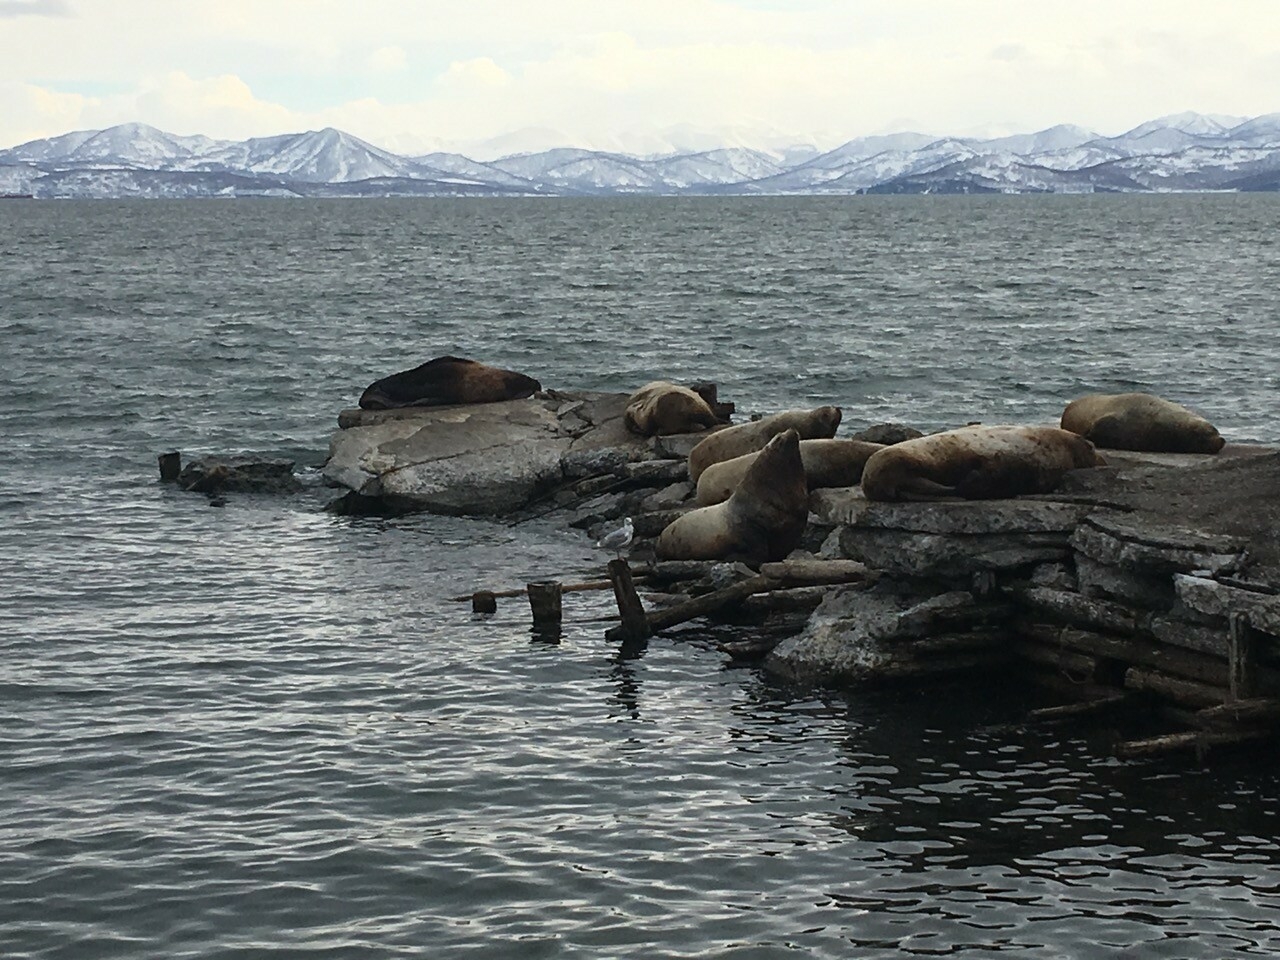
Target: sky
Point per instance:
(492, 76)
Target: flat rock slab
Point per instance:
(490, 458)
(847, 505)
(1143, 544)
(1208, 596)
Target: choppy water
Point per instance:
(263, 730)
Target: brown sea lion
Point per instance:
(764, 519)
(447, 380)
(976, 463)
(827, 463)
(660, 409)
(819, 423)
(1140, 421)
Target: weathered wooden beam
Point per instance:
(544, 601)
(1260, 710)
(1242, 657)
(1174, 688)
(635, 623)
(801, 572)
(170, 466)
(1081, 708)
(1198, 740)
(700, 606)
(521, 591)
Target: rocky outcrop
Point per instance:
(493, 458)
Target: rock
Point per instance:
(1155, 548)
(657, 471)
(887, 433)
(952, 558)
(243, 473)
(1204, 595)
(669, 496)
(860, 633)
(1124, 584)
(847, 505)
(491, 458)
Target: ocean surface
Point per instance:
(263, 730)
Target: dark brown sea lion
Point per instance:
(764, 519)
(1140, 421)
(976, 463)
(827, 463)
(661, 409)
(447, 380)
(819, 423)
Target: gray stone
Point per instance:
(481, 458)
(887, 433)
(669, 496)
(860, 633)
(1058, 576)
(847, 505)
(243, 473)
(1220, 600)
(915, 554)
(677, 445)
(1155, 548)
(657, 471)
(1094, 579)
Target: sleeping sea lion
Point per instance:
(827, 463)
(447, 380)
(817, 424)
(1140, 421)
(661, 409)
(764, 519)
(976, 463)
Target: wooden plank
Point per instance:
(700, 606)
(1242, 657)
(1260, 710)
(635, 623)
(1198, 740)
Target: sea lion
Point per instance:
(1140, 421)
(819, 423)
(660, 409)
(827, 463)
(976, 463)
(764, 519)
(447, 380)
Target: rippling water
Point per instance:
(264, 730)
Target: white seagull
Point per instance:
(618, 540)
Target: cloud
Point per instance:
(387, 59)
(821, 69)
(34, 8)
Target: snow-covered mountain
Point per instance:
(1185, 151)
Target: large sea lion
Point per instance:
(764, 519)
(447, 380)
(976, 463)
(661, 409)
(819, 423)
(1140, 421)
(827, 463)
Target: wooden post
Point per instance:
(483, 601)
(1242, 659)
(544, 599)
(635, 624)
(170, 466)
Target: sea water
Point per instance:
(264, 730)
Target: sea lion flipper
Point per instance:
(919, 488)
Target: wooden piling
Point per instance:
(635, 623)
(1242, 658)
(170, 466)
(483, 601)
(544, 600)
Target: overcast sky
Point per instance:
(414, 75)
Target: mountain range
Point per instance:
(1181, 152)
